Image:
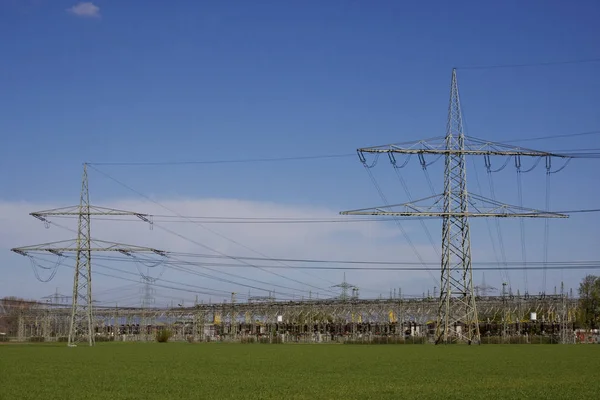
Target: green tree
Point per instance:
(589, 302)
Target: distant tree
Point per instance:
(589, 302)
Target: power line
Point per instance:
(334, 261)
(422, 269)
(240, 161)
(296, 158)
(208, 229)
(266, 220)
(565, 135)
(197, 289)
(176, 266)
(407, 267)
(537, 64)
(243, 220)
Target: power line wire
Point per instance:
(336, 261)
(414, 268)
(298, 158)
(197, 289)
(565, 135)
(537, 64)
(258, 220)
(208, 229)
(204, 266)
(240, 161)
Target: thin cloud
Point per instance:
(85, 10)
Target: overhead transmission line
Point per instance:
(487, 221)
(332, 156)
(211, 231)
(396, 220)
(333, 261)
(181, 263)
(566, 135)
(197, 289)
(194, 289)
(282, 220)
(233, 161)
(172, 264)
(533, 64)
(310, 260)
(421, 269)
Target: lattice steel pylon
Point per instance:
(82, 325)
(456, 234)
(345, 286)
(82, 315)
(457, 318)
(566, 334)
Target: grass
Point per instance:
(235, 371)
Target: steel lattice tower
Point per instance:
(345, 286)
(82, 315)
(457, 306)
(82, 324)
(456, 275)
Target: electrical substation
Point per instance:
(460, 312)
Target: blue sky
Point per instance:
(187, 80)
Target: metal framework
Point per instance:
(457, 318)
(503, 319)
(81, 326)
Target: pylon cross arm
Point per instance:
(433, 206)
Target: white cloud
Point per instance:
(349, 241)
(85, 9)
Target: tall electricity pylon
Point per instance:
(82, 324)
(457, 306)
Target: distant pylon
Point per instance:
(147, 290)
(345, 286)
(484, 289)
(82, 326)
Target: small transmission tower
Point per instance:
(484, 289)
(566, 334)
(148, 291)
(82, 326)
(345, 286)
(457, 307)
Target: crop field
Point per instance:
(237, 371)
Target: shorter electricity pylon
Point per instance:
(483, 289)
(82, 326)
(345, 286)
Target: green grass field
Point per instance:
(285, 372)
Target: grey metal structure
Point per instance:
(345, 286)
(82, 320)
(503, 319)
(457, 316)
